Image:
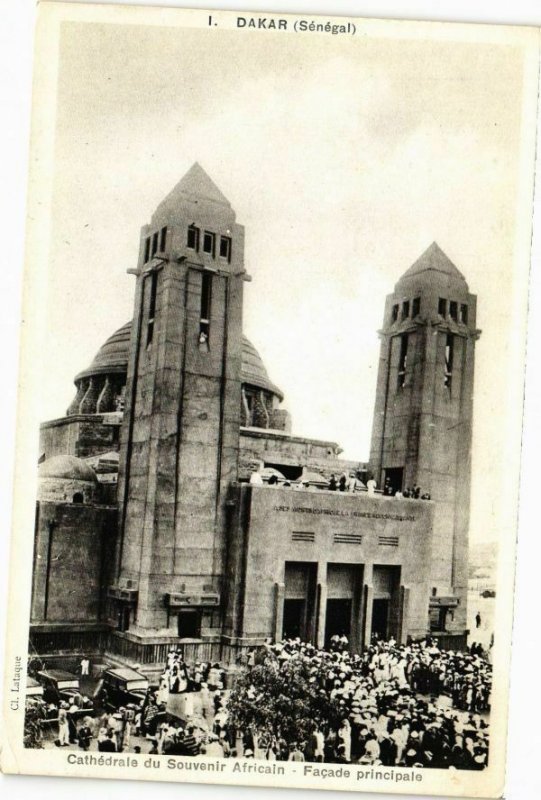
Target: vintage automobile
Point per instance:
(33, 688)
(121, 686)
(58, 685)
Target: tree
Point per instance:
(283, 699)
(33, 726)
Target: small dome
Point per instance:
(313, 478)
(112, 358)
(67, 468)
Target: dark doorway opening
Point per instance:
(289, 472)
(294, 619)
(438, 618)
(78, 497)
(394, 477)
(299, 609)
(380, 618)
(123, 618)
(189, 623)
(337, 619)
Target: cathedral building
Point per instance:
(176, 507)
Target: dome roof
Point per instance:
(112, 357)
(67, 467)
(253, 372)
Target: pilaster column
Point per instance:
(367, 602)
(322, 609)
(403, 616)
(279, 594)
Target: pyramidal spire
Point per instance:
(197, 184)
(434, 259)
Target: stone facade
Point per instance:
(74, 548)
(423, 412)
(180, 434)
(181, 401)
(80, 435)
(330, 535)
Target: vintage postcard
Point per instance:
(271, 391)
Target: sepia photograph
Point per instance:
(271, 391)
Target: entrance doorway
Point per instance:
(386, 614)
(189, 623)
(123, 618)
(299, 600)
(343, 607)
(294, 619)
(394, 477)
(338, 619)
(380, 618)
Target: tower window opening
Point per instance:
(147, 249)
(464, 313)
(453, 310)
(209, 243)
(403, 360)
(394, 314)
(416, 307)
(163, 239)
(442, 307)
(225, 247)
(152, 306)
(449, 353)
(154, 243)
(193, 238)
(405, 309)
(206, 301)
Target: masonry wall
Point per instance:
(424, 425)
(73, 555)
(265, 521)
(181, 420)
(296, 451)
(81, 436)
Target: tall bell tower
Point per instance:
(422, 428)
(180, 434)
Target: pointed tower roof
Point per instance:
(196, 183)
(434, 260)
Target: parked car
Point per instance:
(33, 688)
(58, 685)
(121, 686)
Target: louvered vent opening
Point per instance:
(389, 541)
(348, 538)
(303, 536)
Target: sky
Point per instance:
(343, 157)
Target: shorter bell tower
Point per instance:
(422, 428)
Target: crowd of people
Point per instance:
(407, 705)
(404, 705)
(353, 481)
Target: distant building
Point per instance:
(149, 530)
